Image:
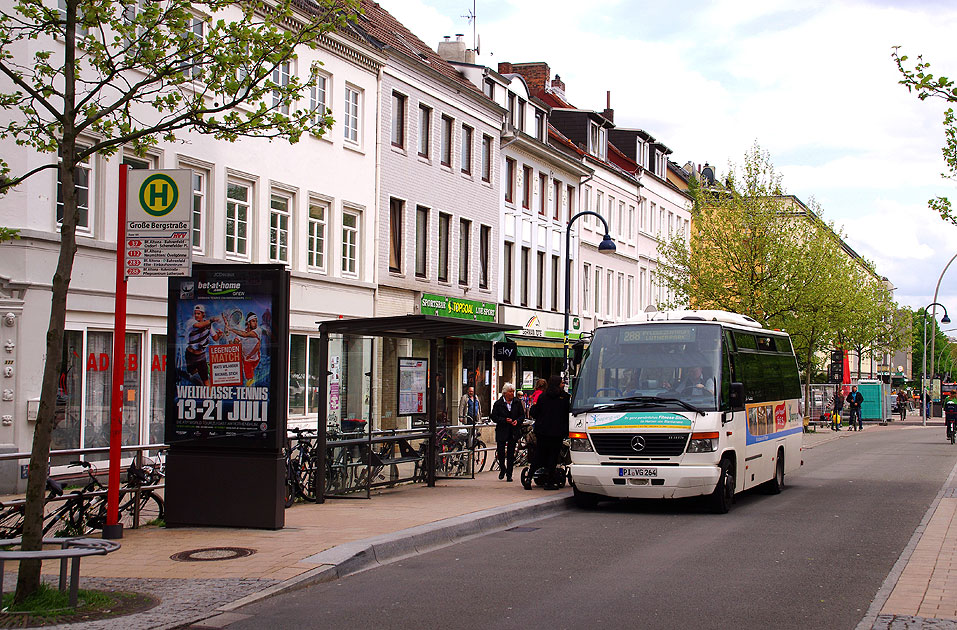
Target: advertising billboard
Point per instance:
(228, 331)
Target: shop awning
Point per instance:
(552, 349)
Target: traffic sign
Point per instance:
(158, 223)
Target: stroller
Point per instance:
(539, 476)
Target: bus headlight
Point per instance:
(580, 442)
(703, 442)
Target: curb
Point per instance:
(361, 555)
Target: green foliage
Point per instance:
(918, 79)
(50, 602)
(9, 234)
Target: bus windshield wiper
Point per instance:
(660, 400)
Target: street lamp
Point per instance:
(944, 320)
(607, 246)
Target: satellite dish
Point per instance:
(478, 45)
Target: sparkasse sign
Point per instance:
(158, 223)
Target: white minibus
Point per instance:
(682, 404)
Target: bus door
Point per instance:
(734, 421)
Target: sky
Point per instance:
(813, 83)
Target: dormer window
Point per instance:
(540, 125)
(511, 109)
(597, 140)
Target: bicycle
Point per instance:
(300, 467)
(11, 516)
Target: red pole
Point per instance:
(113, 528)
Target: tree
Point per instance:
(91, 77)
(919, 80)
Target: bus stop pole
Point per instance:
(433, 403)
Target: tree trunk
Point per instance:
(28, 577)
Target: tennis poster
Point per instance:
(227, 330)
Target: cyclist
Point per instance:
(950, 415)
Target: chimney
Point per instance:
(609, 113)
(558, 87)
(535, 74)
(455, 51)
(504, 67)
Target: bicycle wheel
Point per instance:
(306, 471)
(11, 522)
(479, 456)
(150, 508)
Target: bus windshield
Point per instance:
(654, 366)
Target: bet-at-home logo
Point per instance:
(158, 195)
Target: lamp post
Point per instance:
(607, 246)
(944, 320)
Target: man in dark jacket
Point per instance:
(854, 400)
(551, 427)
(508, 414)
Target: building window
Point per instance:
(586, 205)
(540, 293)
(521, 114)
(621, 294)
(631, 222)
(351, 117)
(350, 243)
(396, 207)
(542, 193)
(444, 221)
(555, 279)
(586, 287)
(83, 188)
(485, 241)
(197, 31)
(425, 127)
(198, 214)
(599, 202)
(486, 158)
(466, 152)
(489, 88)
(570, 192)
(526, 262)
(509, 180)
(398, 120)
(526, 186)
(609, 291)
(280, 77)
(597, 290)
(238, 210)
(318, 104)
(629, 302)
(421, 241)
(316, 257)
(507, 273)
(557, 204)
(279, 208)
(540, 125)
(446, 139)
(465, 231)
(611, 214)
(511, 109)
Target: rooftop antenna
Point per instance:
(470, 16)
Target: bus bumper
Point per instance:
(671, 482)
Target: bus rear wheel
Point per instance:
(723, 495)
(776, 484)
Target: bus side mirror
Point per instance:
(578, 353)
(737, 397)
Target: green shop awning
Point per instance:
(539, 348)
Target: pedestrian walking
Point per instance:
(551, 427)
(837, 408)
(902, 404)
(854, 400)
(470, 407)
(508, 414)
(540, 386)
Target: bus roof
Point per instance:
(723, 317)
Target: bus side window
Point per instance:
(727, 375)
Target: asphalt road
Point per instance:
(811, 557)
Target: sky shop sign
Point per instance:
(457, 308)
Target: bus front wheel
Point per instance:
(723, 495)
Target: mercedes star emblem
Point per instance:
(637, 443)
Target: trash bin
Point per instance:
(353, 425)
